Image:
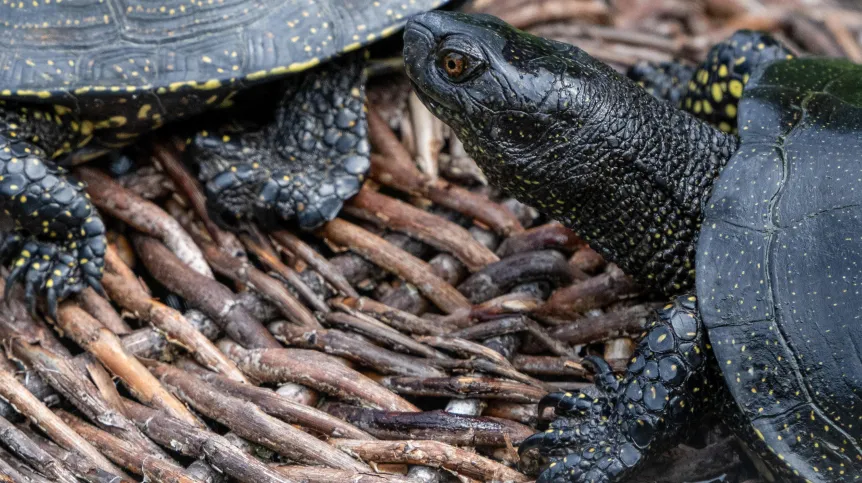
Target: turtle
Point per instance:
(81, 78)
(752, 233)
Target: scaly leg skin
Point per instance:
(671, 383)
(59, 237)
(712, 91)
(304, 165)
(664, 80)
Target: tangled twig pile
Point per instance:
(418, 330)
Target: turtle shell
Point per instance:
(57, 48)
(779, 266)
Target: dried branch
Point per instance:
(210, 296)
(198, 443)
(382, 334)
(107, 348)
(279, 406)
(431, 453)
(498, 278)
(437, 425)
(125, 289)
(29, 452)
(83, 468)
(395, 318)
(316, 261)
(250, 422)
(113, 199)
(315, 370)
(19, 397)
(465, 387)
(397, 261)
(550, 236)
(434, 230)
(154, 469)
(337, 343)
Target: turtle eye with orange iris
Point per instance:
(454, 64)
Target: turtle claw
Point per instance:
(53, 272)
(605, 378)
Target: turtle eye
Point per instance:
(458, 66)
(454, 64)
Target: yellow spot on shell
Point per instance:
(735, 88)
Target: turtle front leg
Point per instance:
(305, 164)
(667, 81)
(58, 242)
(670, 384)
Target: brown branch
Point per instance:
(102, 310)
(442, 426)
(593, 293)
(498, 278)
(621, 323)
(266, 254)
(81, 467)
(382, 334)
(27, 404)
(279, 406)
(337, 343)
(13, 470)
(113, 199)
(247, 420)
(28, 451)
(210, 296)
(107, 348)
(124, 454)
(394, 168)
(82, 393)
(394, 260)
(548, 365)
(198, 443)
(465, 387)
(126, 290)
(191, 189)
(431, 453)
(550, 236)
(241, 271)
(315, 370)
(464, 347)
(395, 318)
(316, 261)
(434, 230)
(314, 474)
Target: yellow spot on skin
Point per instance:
(735, 88)
(730, 110)
(722, 71)
(717, 95)
(725, 127)
(144, 111)
(707, 109)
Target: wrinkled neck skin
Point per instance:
(628, 173)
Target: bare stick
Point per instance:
(315, 474)
(436, 425)
(81, 392)
(30, 452)
(210, 296)
(83, 468)
(315, 261)
(125, 289)
(101, 309)
(16, 394)
(198, 443)
(338, 343)
(397, 261)
(318, 371)
(112, 198)
(250, 422)
(434, 230)
(431, 453)
(395, 318)
(279, 406)
(383, 334)
(107, 348)
(125, 454)
(465, 387)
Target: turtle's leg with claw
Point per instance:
(670, 383)
(59, 238)
(305, 164)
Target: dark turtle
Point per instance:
(771, 219)
(80, 78)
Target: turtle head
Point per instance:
(561, 131)
(500, 88)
